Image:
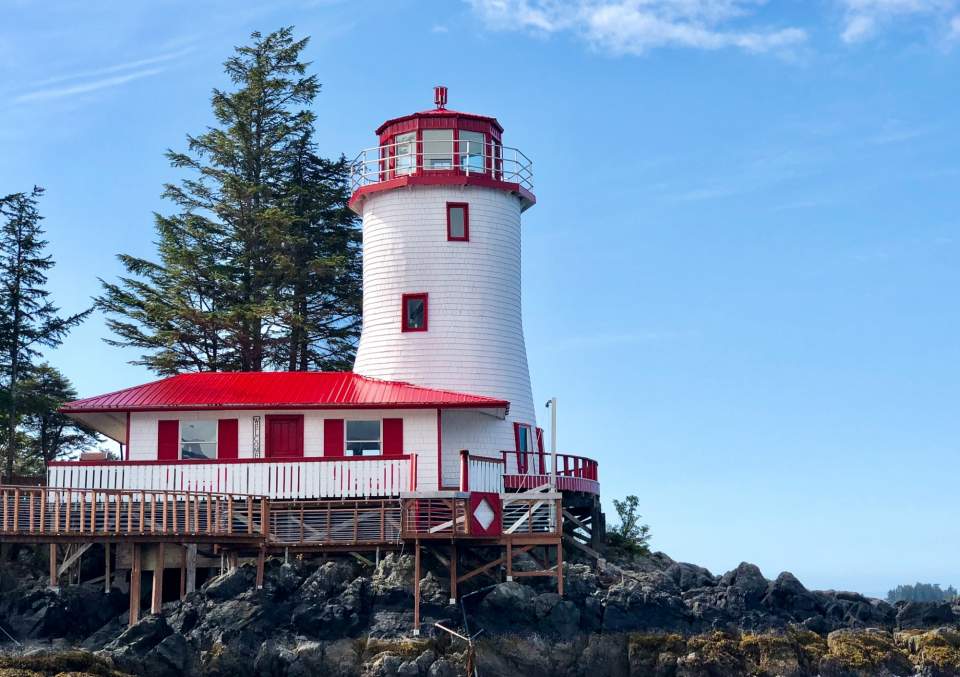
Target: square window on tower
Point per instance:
(414, 312)
(458, 221)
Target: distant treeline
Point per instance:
(922, 592)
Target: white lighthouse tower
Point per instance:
(441, 200)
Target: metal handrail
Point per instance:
(459, 157)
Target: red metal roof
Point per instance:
(277, 390)
(442, 112)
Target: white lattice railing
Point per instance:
(295, 479)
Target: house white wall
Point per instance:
(420, 434)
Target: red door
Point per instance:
(284, 436)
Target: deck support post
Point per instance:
(106, 568)
(416, 588)
(135, 585)
(191, 564)
(233, 560)
(453, 574)
(54, 583)
(560, 568)
(261, 557)
(509, 559)
(183, 572)
(156, 598)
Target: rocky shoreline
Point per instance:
(640, 616)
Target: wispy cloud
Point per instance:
(118, 68)
(95, 79)
(92, 86)
(638, 26)
(864, 19)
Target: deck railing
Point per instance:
(454, 157)
(303, 478)
(529, 470)
(480, 473)
(311, 523)
(66, 512)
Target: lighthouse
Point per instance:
(441, 200)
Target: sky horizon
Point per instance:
(740, 277)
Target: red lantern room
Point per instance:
(441, 147)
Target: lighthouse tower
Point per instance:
(441, 199)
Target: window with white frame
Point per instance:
(363, 438)
(198, 439)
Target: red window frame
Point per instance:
(422, 296)
(466, 222)
(523, 457)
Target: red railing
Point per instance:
(529, 469)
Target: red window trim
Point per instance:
(466, 222)
(523, 458)
(403, 311)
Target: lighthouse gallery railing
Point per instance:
(459, 158)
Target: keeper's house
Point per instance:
(439, 398)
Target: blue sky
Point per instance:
(741, 278)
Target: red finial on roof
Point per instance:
(440, 96)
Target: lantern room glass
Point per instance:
(471, 152)
(437, 149)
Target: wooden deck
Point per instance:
(52, 515)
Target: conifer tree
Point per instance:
(28, 318)
(49, 433)
(318, 268)
(258, 268)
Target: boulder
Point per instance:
(690, 576)
(748, 583)
(915, 615)
(231, 584)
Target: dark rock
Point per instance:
(509, 606)
(645, 602)
(442, 668)
(788, 595)
(748, 582)
(690, 576)
(231, 584)
(916, 615)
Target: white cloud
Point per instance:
(863, 19)
(72, 90)
(637, 26)
(117, 68)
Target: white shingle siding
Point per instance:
(474, 342)
(419, 433)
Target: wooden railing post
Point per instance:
(464, 470)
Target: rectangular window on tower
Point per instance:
(414, 312)
(458, 221)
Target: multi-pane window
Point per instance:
(363, 438)
(458, 221)
(405, 153)
(414, 309)
(198, 439)
(471, 152)
(437, 148)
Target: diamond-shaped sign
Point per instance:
(484, 514)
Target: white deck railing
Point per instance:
(480, 473)
(295, 479)
(397, 160)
